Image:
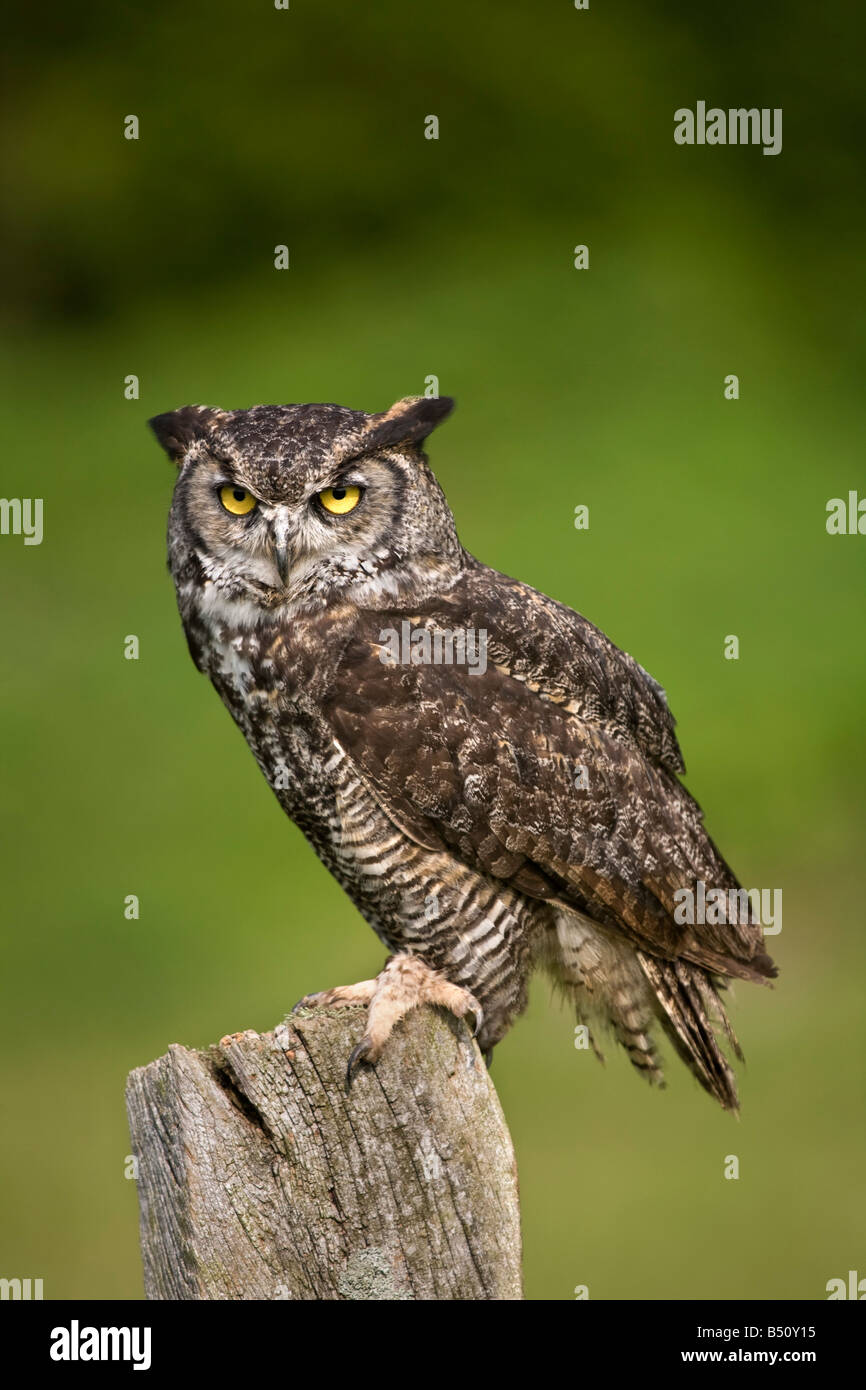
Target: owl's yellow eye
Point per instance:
(237, 500)
(340, 500)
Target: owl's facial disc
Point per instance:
(281, 537)
(257, 540)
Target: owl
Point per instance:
(493, 782)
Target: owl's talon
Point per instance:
(463, 1005)
(466, 1007)
(358, 1054)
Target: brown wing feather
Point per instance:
(486, 764)
(568, 657)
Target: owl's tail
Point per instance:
(691, 1013)
(630, 992)
(602, 978)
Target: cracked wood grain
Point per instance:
(259, 1178)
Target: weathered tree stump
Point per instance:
(259, 1178)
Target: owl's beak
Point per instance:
(279, 529)
(281, 559)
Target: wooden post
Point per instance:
(259, 1178)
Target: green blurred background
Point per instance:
(453, 257)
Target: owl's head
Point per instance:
(292, 506)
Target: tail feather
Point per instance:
(690, 1012)
(716, 1012)
(603, 979)
(628, 992)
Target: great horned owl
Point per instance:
(489, 778)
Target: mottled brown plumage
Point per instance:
(525, 812)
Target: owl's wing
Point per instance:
(571, 661)
(565, 790)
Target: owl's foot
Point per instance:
(405, 982)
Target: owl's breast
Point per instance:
(480, 933)
(263, 700)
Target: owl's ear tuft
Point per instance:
(177, 430)
(408, 421)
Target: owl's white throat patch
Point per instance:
(216, 606)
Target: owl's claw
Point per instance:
(358, 1054)
(405, 983)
